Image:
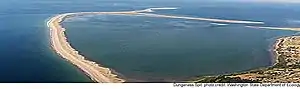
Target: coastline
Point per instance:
(94, 71)
(61, 46)
(286, 68)
(276, 46)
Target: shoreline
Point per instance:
(98, 73)
(275, 48)
(62, 47)
(286, 67)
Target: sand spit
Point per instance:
(275, 28)
(98, 73)
(62, 47)
(202, 19)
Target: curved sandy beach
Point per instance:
(62, 47)
(98, 73)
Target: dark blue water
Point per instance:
(184, 50)
(25, 51)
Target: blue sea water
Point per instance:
(139, 48)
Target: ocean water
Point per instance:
(139, 48)
(25, 51)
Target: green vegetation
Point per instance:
(281, 62)
(224, 79)
(286, 69)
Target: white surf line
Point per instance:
(202, 19)
(153, 9)
(164, 8)
(274, 28)
(219, 24)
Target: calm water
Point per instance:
(137, 47)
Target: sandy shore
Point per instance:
(62, 47)
(99, 73)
